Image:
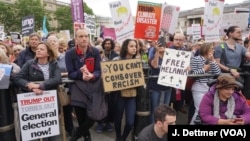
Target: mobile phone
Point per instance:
(238, 120)
(162, 41)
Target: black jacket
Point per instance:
(31, 72)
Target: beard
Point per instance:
(236, 39)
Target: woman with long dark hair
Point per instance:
(126, 100)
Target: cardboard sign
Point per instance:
(122, 74)
(173, 71)
(38, 115)
(148, 19)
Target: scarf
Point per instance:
(230, 106)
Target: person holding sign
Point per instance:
(43, 68)
(126, 100)
(204, 63)
(155, 60)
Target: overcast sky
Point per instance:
(101, 7)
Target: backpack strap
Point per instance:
(224, 60)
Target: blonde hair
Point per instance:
(62, 42)
(18, 47)
(4, 59)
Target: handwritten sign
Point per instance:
(213, 18)
(148, 20)
(122, 74)
(122, 19)
(173, 71)
(38, 115)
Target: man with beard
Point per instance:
(108, 45)
(106, 124)
(29, 52)
(229, 54)
(179, 95)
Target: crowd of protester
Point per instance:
(51, 60)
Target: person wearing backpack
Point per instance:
(83, 64)
(229, 55)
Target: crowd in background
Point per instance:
(51, 60)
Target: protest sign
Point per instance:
(28, 25)
(5, 71)
(78, 26)
(90, 23)
(148, 19)
(169, 18)
(213, 13)
(122, 19)
(173, 71)
(38, 115)
(122, 74)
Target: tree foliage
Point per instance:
(11, 15)
(64, 18)
(7, 17)
(34, 7)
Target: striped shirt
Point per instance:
(45, 70)
(197, 65)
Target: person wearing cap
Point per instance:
(223, 104)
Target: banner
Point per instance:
(28, 25)
(45, 31)
(122, 19)
(108, 33)
(90, 23)
(148, 19)
(122, 74)
(77, 11)
(38, 115)
(173, 71)
(169, 18)
(213, 13)
(5, 71)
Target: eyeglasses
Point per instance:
(178, 40)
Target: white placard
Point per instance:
(38, 115)
(173, 71)
(122, 19)
(213, 13)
